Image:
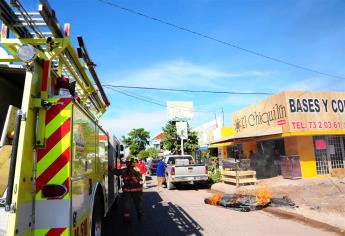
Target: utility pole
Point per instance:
(182, 132)
(182, 151)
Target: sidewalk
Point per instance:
(318, 199)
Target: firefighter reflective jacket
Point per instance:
(132, 180)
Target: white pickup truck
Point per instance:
(181, 169)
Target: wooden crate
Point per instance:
(239, 177)
(338, 172)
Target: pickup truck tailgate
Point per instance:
(191, 170)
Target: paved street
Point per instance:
(182, 212)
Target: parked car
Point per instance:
(151, 166)
(181, 169)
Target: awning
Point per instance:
(274, 130)
(223, 140)
(203, 147)
(216, 145)
(259, 132)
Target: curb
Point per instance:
(305, 220)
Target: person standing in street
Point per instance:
(132, 189)
(143, 170)
(160, 174)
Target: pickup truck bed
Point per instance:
(186, 173)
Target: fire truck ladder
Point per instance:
(42, 30)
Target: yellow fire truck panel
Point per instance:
(55, 152)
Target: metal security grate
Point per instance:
(322, 166)
(331, 156)
(336, 151)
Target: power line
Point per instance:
(219, 40)
(139, 94)
(145, 99)
(187, 90)
(136, 97)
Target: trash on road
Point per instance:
(245, 202)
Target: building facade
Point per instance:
(309, 125)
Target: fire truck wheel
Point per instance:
(97, 217)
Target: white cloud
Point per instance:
(318, 84)
(180, 74)
(243, 100)
(129, 120)
(175, 74)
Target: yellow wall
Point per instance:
(227, 132)
(307, 157)
(304, 147)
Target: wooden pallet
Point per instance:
(239, 177)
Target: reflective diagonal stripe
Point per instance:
(54, 138)
(53, 111)
(52, 232)
(53, 169)
(53, 154)
(55, 123)
(53, 161)
(55, 232)
(39, 232)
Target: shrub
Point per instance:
(215, 176)
(214, 173)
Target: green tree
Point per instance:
(152, 152)
(143, 154)
(172, 142)
(136, 140)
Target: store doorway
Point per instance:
(269, 155)
(329, 153)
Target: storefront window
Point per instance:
(329, 153)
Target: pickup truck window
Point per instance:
(172, 160)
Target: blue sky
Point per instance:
(132, 50)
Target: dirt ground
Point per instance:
(321, 199)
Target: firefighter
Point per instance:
(132, 189)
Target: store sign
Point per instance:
(294, 111)
(316, 111)
(210, 131)
(310, 105)
(320, 144)
(180, 111)
(261, 115)
(182, 130)
(281, 122)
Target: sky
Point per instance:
(132, 50)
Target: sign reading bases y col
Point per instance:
(293, 111)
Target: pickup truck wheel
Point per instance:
(169, 185)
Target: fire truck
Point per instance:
(54, 155)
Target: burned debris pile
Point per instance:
(246, 202)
